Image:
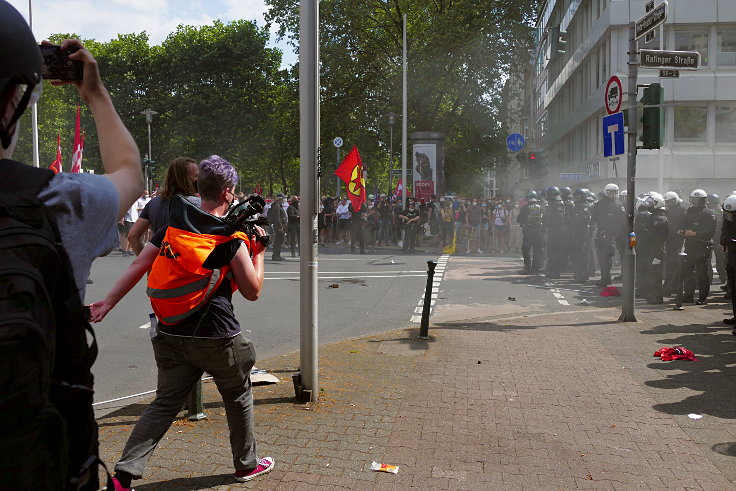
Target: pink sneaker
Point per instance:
(117, 486)
(265, 465)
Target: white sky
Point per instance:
(103, 20)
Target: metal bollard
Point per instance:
(424, 327)
(195, 405)
(681, 258)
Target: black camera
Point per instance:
(57, 65)
(242, 217)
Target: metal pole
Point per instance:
(404, 125)
(306, 382)
(424, 327)
(337, 178)
(391, 161)
(34, 108)
(629, 259)
(661, 155)
(195, 407)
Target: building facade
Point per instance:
(563, 104)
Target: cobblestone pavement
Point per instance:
(570, 400)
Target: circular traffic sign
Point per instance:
(515, 142)
(337, 142)
(614, 95)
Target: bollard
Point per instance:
(195, 406)
(681, 258)
(424, 328)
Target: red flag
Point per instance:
(78, 146)
(56, 164)
(351, 172)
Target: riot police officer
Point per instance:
(651, 231)
(698, 228)
(568, 204)
(554, 221)
(609, 218)
(713, 202)
(728, 245)
(673, 246)
(531, 219)
(580, 231)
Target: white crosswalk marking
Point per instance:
(439, 272)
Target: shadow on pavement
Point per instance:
(203, 482)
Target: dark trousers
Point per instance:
(720, 265)
(556, 254)
(580, 261)
(447, 231)
(731, 279)
(357, 236)
(605, 250)
(278, 241)
(532, 248)
(410, 233)
(383, 230)
(293, 237)
(671, 263)
(695, 274)
(649, 277)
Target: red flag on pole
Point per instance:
(351, 172)
(56, 164)
(78, 145)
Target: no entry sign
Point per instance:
(614, 95)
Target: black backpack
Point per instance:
(47, 347)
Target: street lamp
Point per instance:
(149, 119)
(391, 122)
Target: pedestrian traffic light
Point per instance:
(532, 156)
(557, 42)
(151, 164)
(652, 117)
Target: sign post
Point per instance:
(338, 143)
(515, 142)
(651, 20)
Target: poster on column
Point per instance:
(425, 169)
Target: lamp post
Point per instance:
(391, 122)
(149, 119)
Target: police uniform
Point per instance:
(554, 220)
(673, 247)
(651, 231)
(702, 221)
(609, 217)
(531, 219)
(580, 231)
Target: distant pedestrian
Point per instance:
(277, 219)
(292, 214)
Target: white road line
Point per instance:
(560, 298)
(563, 302)
(436, 281)
(145, 326)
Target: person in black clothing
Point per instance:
(713, 202)
(698, 228)
(580, 231)
(292, 214)
(410, 219)
(531, 219)
(673, 246)
(384, 219)
(728, 245)
(556, 234)
(357, 227)
(277, 218)
(651, 232)
(609, 218)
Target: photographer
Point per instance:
(198, 330)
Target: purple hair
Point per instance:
(215, 175)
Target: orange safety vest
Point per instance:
(178, 284)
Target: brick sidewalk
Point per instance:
(557, 401)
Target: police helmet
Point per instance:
(580, 195)
(611, 190)
(712, 200)
(671, 197)
(531, 194)
(20, 67)
(698, 198)
(729, 204)
(655, 200)
(623, 194)
(533, 199)
(552, 191)
(565, 192)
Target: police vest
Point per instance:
(179, 284)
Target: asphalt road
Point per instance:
(375, 293)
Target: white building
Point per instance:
(567, 96)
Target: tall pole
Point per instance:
(337, 178)
(34, 108)
(661, 155)
(403, 124)
(391, 159)
(309, 172)
(629, 260)
(149, 119)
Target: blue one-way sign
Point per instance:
(613, 135)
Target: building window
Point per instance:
(726, 124)
(693, 40)
(726, 47)
(690, 123)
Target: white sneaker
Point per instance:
(479, 251)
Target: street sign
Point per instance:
(651, 20)
(649, 6)
(613, 95)
(649, 37)
(613, 135)
(669, 74)
(684, 60)
(397, 172)
(570, 176)
(515, 142)
(337, 142)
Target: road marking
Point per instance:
(145, 326)
(560, 298)
(434, 294)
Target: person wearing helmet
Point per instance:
(651, 232)
(609, 218)
(698, 228)
(727, 243)
(673, 246)
(713, 203)
(580, 232)
(531, 219)
(554, 221)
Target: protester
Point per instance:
(199, 333)
(181, 179)
(83, 209)
(292, 215)
(277, 218)
(343, 221)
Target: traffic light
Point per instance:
(652, 117)
(150, 164)
(557, 42)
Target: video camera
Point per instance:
(241, 217)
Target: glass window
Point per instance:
(726, 47)
(693, 40)
(690, 122)
(726, 124)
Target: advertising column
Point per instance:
(428, 159)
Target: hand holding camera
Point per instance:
(71, 64)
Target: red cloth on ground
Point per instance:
(676, 353)
(609, 291)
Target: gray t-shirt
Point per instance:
(85, 207)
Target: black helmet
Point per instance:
(712, 200)
(552, 191)
(20, 64)
(565, 192)
(531, 194)
(580, 195)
